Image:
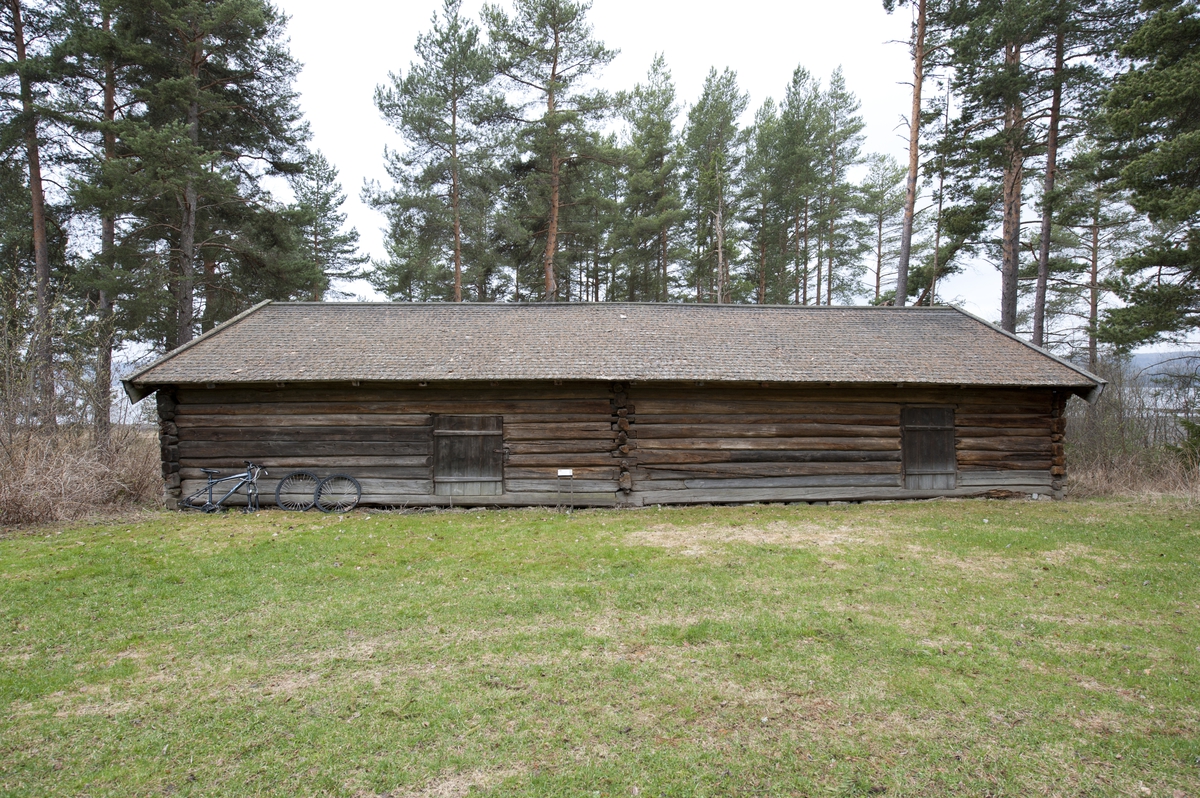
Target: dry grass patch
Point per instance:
(693, 539)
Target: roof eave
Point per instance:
(137, 390)
(1089, 394)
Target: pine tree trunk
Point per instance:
(804, 299)
(104, 306)
(762, 256)
(1014, 168)
(43, 333)
(878, 258)
(185, 292)
(555, 174)
(1043, 277)
(662, 265)
(454, 200)
(914, 156)
(1094, 291)
(720, 248)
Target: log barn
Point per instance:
(617, 404)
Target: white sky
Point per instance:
(348, 50)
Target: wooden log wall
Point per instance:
(383, 436)
(626, 443)
(731, 444)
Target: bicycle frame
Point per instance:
(244, 478)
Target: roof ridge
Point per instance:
(567, 305)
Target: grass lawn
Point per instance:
(935, 648)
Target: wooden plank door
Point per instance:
(468, 455)
(930, 461)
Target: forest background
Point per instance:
(159, 175)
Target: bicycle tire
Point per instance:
(204, 506)
(338, 493)
(297, 491)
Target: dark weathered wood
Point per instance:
(258, 421)
(624, 443)
(856, 444)
(778, 469)
(929, 459)
(306, 433)
(468, 455)
(249, 450)
(737, 429)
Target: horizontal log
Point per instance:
(358, 472)
(370, 487)
(1004, 444)
(702, 403)
(565, 460)
(838, 481)
(559, 447)
(1001, 479)
(534, 409)
(735, 429)
(552, 499)
(258, 421)
(997, 465)
(867, 493)
(1005, 421)
(770, 469)
(455, 392)
(551, 486)
(1001, 431)
(592, 430)
(551, 473)
(763, 444)
(878, 419)
(302, 463)
(667, 456)
(250, 450)
(306, 433)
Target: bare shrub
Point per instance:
(60, 475)
(1128, 442)
(55, 464)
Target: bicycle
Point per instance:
(202, 499)
(303, 490)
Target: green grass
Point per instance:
(936, 648)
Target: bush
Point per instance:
(1134, 439)
(59, 474)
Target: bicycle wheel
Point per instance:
(198, 501)
(338, 494)
(297, 491)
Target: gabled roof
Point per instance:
(338, 342)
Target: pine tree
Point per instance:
(651, 206)
(218, 115)
(546, 51)
(802, 126)
(882, 202)
(25, 80)
(441, 109)
(330, 252)
(1152, 122)
(763, 209)
(713, 152)
(839, 152)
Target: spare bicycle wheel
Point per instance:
(297, 491)
(338, 494)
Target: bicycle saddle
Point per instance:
(209, 471)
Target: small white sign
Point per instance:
(566, 472)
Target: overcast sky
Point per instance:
(348, 47)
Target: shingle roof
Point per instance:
(319, 342)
